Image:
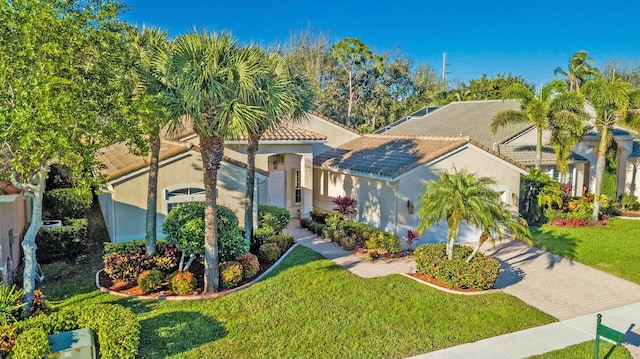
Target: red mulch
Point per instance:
(165, 290)
(630, 213)
(439, 283)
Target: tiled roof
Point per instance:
(469, 118)
(617, 131)
(386, 155)
(284, 132)
(118, 160)
(526, 154)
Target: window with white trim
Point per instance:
(179, 196)
(297, 190)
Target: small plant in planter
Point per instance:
(183, 283)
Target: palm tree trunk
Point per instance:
(538, 162)
(483, 238)
(152, 198)
(212, 150)
(600, 165)
(252, 148)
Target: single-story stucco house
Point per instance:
(386, 174)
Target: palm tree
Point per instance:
(610, 98)
(148, 43)
(551, 102)
(210, 80)
(566, 122)
(281, 95)
(463, 196)
(580, 70)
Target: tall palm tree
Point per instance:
(610, 98)
(566, 122)
(148, 43)
(211, 80)
(281, 95)
(536, 110)
(580, 70)
(462, 196)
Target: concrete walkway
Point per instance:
(570, 291)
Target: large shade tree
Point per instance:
(579, 71)
(65, 90)
(210, 80)
(465, 197)
(552, 108)
(281, 95)
(610, 98)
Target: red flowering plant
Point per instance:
(412, 236)
(346, 206)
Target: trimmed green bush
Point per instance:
(32, 343)
(230, 274)
(150, 280)
(479, 274)
(304, 222)
(316, 228)
(274, 217)
(183, 283)
(384, 241)
(261, 234)
(320, 215)
(269, 252)
(250, 265)
(284, 241)
(62, 242)
(8, 335)
(65, 203)
(116, 327)
(126, 261)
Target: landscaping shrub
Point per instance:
(10, 303)
(116, 327)
(274, 217)
(231, 243)
(284, 241)
(316, 228)
(150, 280)
(479, 274)
(8, 335)
(320, 215)
(64, 203)
(230, 274)
(183, 283)
(250, 265)
(39, 305)
(59, 321)
(384, 241)
(346, 206)
(126, 261)
(629, 202)
(261, 234)
(304, 222)
(32, 343)
(62, 242)
(269, 252)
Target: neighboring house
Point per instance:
(386, 173)
(284, 176)
(15, 216)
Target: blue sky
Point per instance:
(526, 38)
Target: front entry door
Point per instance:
(276, 188)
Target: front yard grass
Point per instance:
(309, 307)
(585, 350)
(612, 248)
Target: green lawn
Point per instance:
(309, 307)
(585, 350)
(613, 248)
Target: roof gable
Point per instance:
(468, 118)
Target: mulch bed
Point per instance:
(634, 214)
(165, 290)
(439, 283)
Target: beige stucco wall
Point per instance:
(125, 216)
(13, 217)
(336, 135)
(383, 203)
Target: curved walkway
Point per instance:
(572, 292)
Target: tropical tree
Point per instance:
(580, 70)
(281, 95)
(550, 108)
(463, 196)
(610, 98)
(65, 90)
(211, 81)
(149, 42)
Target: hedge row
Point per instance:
(273, 217)
(62, 242)
(64, 203)
(479, 274)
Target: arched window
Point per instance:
(178, 195)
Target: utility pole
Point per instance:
(444, 71)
